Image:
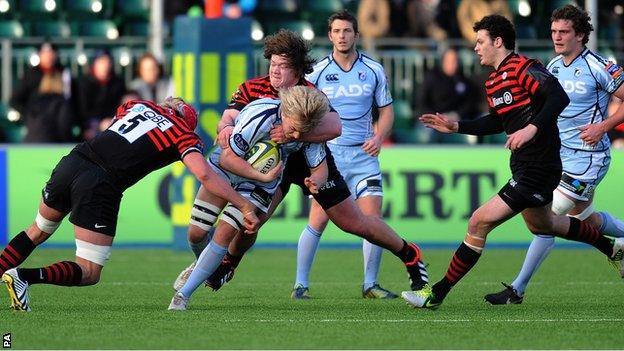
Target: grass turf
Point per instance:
(574, 302)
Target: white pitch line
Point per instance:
(576, 320)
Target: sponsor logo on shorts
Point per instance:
(513, 183)
(374, 185)
(240, 142)
(6, 341)
(330, 184)
(98, 226)
(539, 197)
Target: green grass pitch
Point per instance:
(576, 301)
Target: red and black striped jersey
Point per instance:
(257, 88)
(143, 137)
(516, 94)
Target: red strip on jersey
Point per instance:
(151, 135)
(511, 107)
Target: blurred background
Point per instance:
(102, 52)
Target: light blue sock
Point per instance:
(611, 226)
(372, 260)
(306, 250)
(538, 250)
(206, 264)
(199, 247)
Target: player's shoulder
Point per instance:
(555, 60)
(370, 62)
(594, 57)
(323, 63)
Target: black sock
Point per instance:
(16, 252)
(232, 260)
(586, 233)
(64, 273)
(408, 253)
(463, 260)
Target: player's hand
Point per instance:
(251, 221)
(223, 139)
(278, 136)
(312, 185)
(273, 173)
(439, 122)
(591, 134)
(372, 146)
(520, 137)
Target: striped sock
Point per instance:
(16, 252)
(586, 233)
(63, 273)
(462, 262)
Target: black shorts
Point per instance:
(532, 185)
(83, 188)
(334, 191)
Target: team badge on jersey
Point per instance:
(555, 70)
(240, 142)
(362, 75)
(577, 72)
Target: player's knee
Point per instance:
(477, 225)
(196, 234)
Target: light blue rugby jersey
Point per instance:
(589, 81)
(254, 123)
(353, 94)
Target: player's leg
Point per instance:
(306, 249)
(204, 214)
(20, 247)
(211, 257)
(371, 206)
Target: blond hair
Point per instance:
(306, 106)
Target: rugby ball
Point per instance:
(264, 156)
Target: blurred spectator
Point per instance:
(398, 18)
(446, 90)
(421, 20)
(151, 83)
(238, 8)
(374, 21)
(471, 11)
(617, 134)
(99, 93)
(42, 99)
(174, 8)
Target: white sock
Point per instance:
(538, 250)
(306, 250)
(206, 264)
(372, 260)
(611, 226)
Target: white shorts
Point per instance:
(360, 171)
(582, 172)
(259, 194)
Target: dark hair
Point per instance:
(579, 18)
(498, 26)
(345, 16)
(291, 45)
(149, 56)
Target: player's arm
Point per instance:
(231, 162)
(317, 178)
(196, 164)
(593, 133)
(329, 128)
(382, 129)
(488, 124)
(544, 89)
(226, 126)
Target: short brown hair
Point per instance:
(345, 16)
(579, 18)
(306, 106)
(292, 46)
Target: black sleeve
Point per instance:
(486, 125)
(549, 94)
